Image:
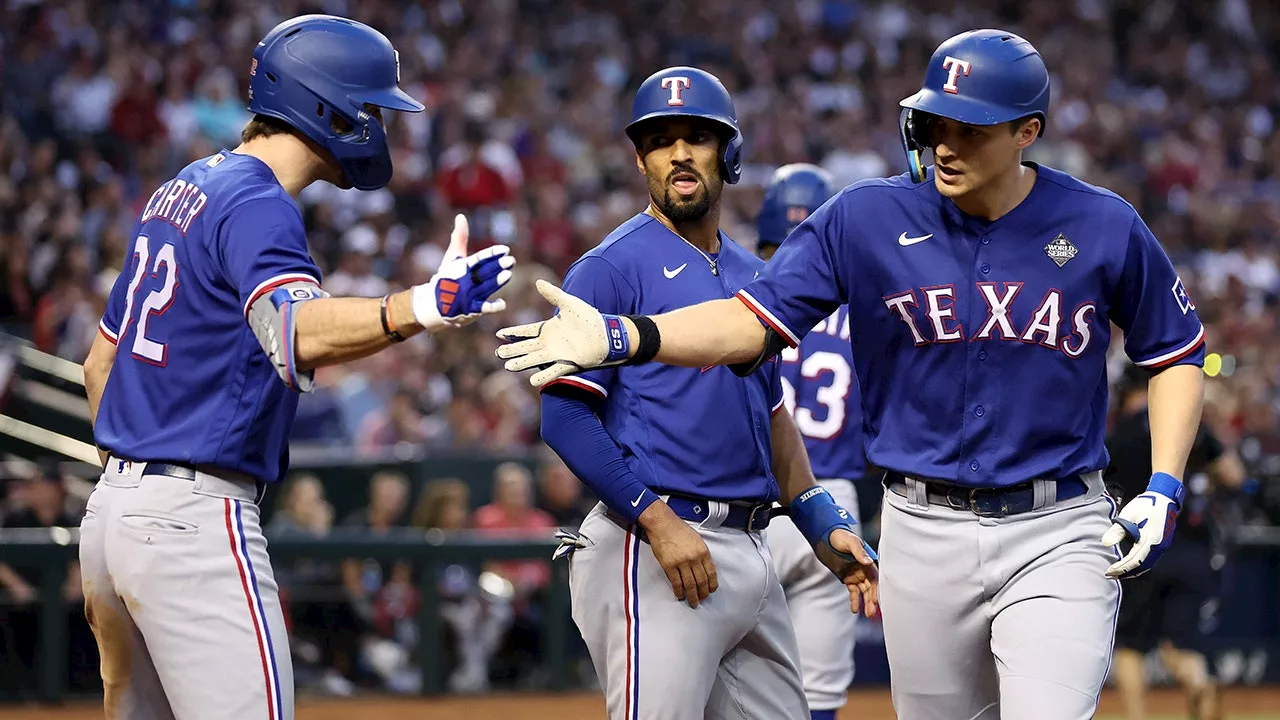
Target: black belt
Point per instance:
(740, 517)
(988, 502)
(182, 472)
(186, 472)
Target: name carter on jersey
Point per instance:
(1047, 326)
(176, 201)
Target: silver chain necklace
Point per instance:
(710, 260)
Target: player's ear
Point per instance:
(1027, 132)
(640, 161)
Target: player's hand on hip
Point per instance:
(460, 291)
(1148, 522)
(846, 555)
(682, 554)
(577, 338)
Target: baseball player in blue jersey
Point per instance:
(821, 393)
(982, 291)
(672, 583)
(213, 329)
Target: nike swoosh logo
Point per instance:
(636, 502)
(672, 273)
(905, 241)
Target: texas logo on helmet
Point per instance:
(676, 85)
(954, 67)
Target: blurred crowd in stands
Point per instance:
(356, 621)
(1171, 104)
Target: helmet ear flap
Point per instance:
(731, 159)
(914, 134)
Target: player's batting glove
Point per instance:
(1148, 521)
(577, 338)
(459, 292)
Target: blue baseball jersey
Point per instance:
(699, 432)
(191, 384)
(821, 392)
(981, 345)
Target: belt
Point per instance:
(186, 472)
(988, 502)
(182, 472)
(740, 517)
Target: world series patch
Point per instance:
(1060, 250)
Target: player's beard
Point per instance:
(680, 209)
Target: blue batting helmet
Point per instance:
(312, 69)
(794, 193)
(690, 92)
(981, 77)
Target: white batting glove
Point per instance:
(1148, 520)
(577, 338)
(459, 292)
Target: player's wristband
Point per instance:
(650, 339)
(1168, 486)
(619, 341)
(816, 514)
(387, 328)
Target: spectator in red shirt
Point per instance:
(480, 177)
(512, 512)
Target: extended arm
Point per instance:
(301, 328)
(334, 330)
(717, 332)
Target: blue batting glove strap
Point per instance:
(1168, 486)
(816, 514)
(619, 341)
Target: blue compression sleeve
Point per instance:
(572, 429)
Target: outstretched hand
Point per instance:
(577, 338)
(460, 291)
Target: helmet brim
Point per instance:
(392, 98)
(964, 109)
(633, 128)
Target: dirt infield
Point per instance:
(1241, 704)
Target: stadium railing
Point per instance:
(51, 549)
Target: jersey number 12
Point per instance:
(155, 303)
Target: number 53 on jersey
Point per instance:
(821, 391)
